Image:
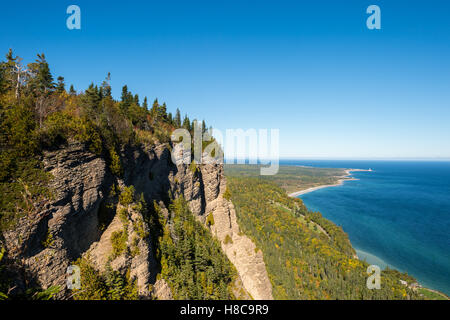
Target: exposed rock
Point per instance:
(81, 185)
(241, 251)
(161, 290)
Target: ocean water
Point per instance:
(397, 215)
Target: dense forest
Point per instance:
(38, 113)
(307, 256)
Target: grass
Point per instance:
(290, 178)
(432, 295)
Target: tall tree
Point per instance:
(163, 111)
(41, 78)
(126, 99)
(60, 86)
(187, 123)
(145, 104)
(177, 120)
(155, 108)
(106, 86)
(203, 126)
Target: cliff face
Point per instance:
(76, 222)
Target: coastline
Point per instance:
(346, 177)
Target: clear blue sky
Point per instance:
(310, 68)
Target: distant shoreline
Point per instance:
(346, 177)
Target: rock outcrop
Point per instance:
(72, 224)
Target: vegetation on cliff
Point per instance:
(192, 261)
(37, 113)
(307, 257)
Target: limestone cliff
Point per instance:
(78, 221)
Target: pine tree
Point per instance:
(72, 90)
(155, 108)
(145, 104)
(60, 86)
(203, 126)
(163, 111)
(177, 120)
(187, 123)
(44, 74)
(106, 87)
(125, 99)
(92, 97)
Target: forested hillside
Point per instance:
(37, 115)
(307, 256)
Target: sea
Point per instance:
(397, 215)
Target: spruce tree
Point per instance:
(60, 86)
(72, 90)
(145, 104)
(177, 120)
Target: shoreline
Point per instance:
(342, 179)
(363, 255)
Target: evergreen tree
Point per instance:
(187, 123)
(155, 108)
(177, 120)
(136, 100)
(42, 79)
(126, 99)
(72, 90)
(163, 111)
(203, 126)
(145, 104)
(60, 86)
(106, 87)
(92, 97)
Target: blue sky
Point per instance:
(310, 68)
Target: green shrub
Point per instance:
(228, 239)
(111, 285)
(127, 196)
(115, 165)
(210, 220)
(227, 194)
(119, 242)
(48, 241)
(193, 167)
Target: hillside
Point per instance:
(89, 181)
(307, 256)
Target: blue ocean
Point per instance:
(398, 215)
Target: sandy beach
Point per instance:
(346, 177)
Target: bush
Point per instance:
(116, 165)
(127, 196)
(228, 239)
(119, 242)
(210, 220)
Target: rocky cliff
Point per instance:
(79, 221)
